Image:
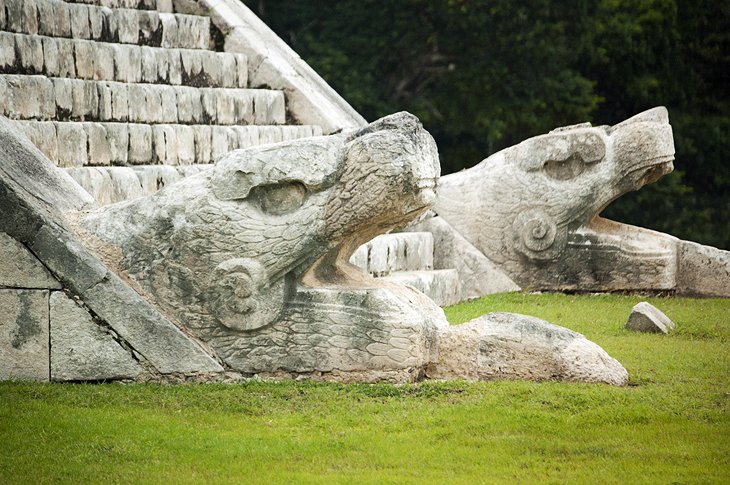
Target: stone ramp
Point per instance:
(57, 273)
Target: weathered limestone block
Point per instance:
(243, 107)
(154, 177)
(387, 253)
(29, 52)
(532, 208)
(84, 55)
(61, 20)
(7, 51)
(108, 185)
(22, 17)
(242, 70)
(43, 135)
(149, 63)
(225, 107)
(63, 93)
(123, 26)
(648, 318)
(99, 151)
(140, 144)
(46, 14)
(512, 346)
(190, 7)
(83, 350)
(97, 21)
(703, 270)
(185, 144)
(149, 28)
(248, 136)
(169, 31)
(164, 143)
(20, 269)
(128, 63)
(221, 141)
(269, 108)
(72, 140)
(478, 275)
(24, 350)
(269, 134)
(168, 105)
(203, 147)
(85, 100)
(224, 63)
(27, 97)
(118, 138)
(193, 32)
(51, 60)
(189, 106)
(441, 285)
(66, 64)
(79, 15)
(174, 66)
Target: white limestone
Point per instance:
(440, 285)
(24, 350)
(274, 64)
(645, 317)
(20, 269)
(81, 349)
(512, 346)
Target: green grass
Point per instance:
(671, 425)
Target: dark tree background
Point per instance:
(485, 74)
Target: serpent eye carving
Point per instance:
(537, 236)
(565, 169)
(282, 198)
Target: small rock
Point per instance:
(647, 318)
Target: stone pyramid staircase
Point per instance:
(131, 95)
(407, 258)
(139, 85)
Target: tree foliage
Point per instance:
(486, 74)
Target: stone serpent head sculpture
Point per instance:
(231, 252)
(533, 208)
(251, 257)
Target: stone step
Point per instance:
(191, 7)
(441, 285)
(75, 144)
(402, 251)
(159, 5)
(42, 98)
(109, 185)
(56, 18)
(101, 61)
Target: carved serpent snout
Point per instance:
(291, 204)
(523, 202)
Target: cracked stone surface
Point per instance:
(533, 210)
(83, 350)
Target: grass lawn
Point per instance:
(671, 425)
